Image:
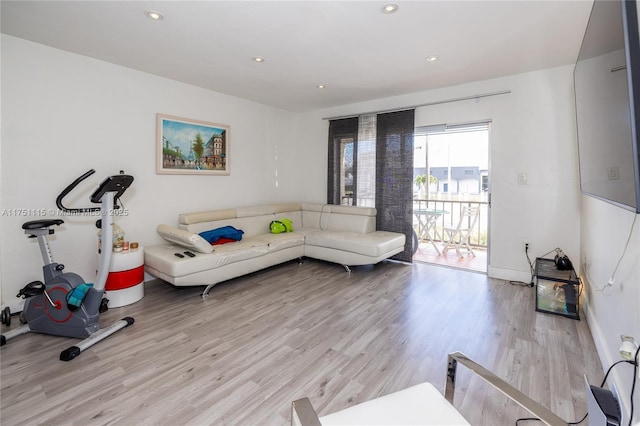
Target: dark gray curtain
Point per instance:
(394, 176)
(393, 171)
(338, 130)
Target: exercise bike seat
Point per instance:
(42, 224)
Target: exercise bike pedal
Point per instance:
(104, 305)
(34, 288)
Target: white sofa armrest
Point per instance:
(184, 238)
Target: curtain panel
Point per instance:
(390, 135)
(394, 176)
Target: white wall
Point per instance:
(63, 114)
(612, 310)
(532, 132)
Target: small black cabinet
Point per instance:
(557, 292)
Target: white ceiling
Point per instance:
(354, 49)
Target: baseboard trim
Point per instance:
(508, 274)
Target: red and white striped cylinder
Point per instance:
(125, 284)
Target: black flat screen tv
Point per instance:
(607, 98)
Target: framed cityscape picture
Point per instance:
(194, 147)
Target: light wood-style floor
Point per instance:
(258, 342)
(427, 253)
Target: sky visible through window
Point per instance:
(457, 149)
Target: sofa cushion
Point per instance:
(287, 207)
(245, 244)
(163, 258)
(249, 225)
(206, 216)
(350, 218)
(255, 211)
(372, 244)
(282, 241)
(358, 210)
(420, 404)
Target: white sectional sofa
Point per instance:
(342, 234)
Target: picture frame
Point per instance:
(191, 147)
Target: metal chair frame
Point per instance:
(303, 413)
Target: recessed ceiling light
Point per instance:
(321, 86)
(154, 14)
(432, 58)
(258, 59)
(389, 8)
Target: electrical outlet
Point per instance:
(526, 246)
(628, 349)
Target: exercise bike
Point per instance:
(65, 305)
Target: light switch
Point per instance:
(522, 178)
(613, 173)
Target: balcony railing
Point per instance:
(451, 208)
(451, 211)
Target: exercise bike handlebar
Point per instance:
(68, 189)
(116, 184)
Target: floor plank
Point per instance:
(256, 343)
(427, 253)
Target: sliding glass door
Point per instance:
(451, 173)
